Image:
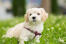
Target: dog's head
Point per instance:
(36, 15)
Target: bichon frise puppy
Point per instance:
(31, 28)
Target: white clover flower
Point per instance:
(32, 43)
(48, 29)
(59, 28)
(17, 21)
(61, 40)
(57, 25)
(52, 27)
(53, 21)
(60, 17)
(55, 18)
(63, 23)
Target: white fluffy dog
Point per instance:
(32, 27)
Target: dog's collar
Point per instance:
(34, 32)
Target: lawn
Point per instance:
(54, 30)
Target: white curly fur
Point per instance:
(24, 35)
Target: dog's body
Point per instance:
(33, 22)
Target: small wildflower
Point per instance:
(33, 43)
(59, 28)
(52, 27)
(61, 40)
(58, 25)
(17, 21)
(60, 17)
(63, 23)
(55, 18)
(53, 21)
(48, 29)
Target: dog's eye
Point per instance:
(30, 14)
(38, 13)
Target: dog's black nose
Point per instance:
(33, 17)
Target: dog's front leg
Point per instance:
(38, 38)
(22, 39)
(21, 42)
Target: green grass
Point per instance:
(54, 30)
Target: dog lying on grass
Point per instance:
(31, 28)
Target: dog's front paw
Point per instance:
(37, 41)
(38, 38)
(25, 39)
(6, 36)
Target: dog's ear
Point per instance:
(44, 14)
(26, 17)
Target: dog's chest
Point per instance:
(37, 28)
(34, 28)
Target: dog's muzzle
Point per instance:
(34, 19)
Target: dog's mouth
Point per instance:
(34, 20)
